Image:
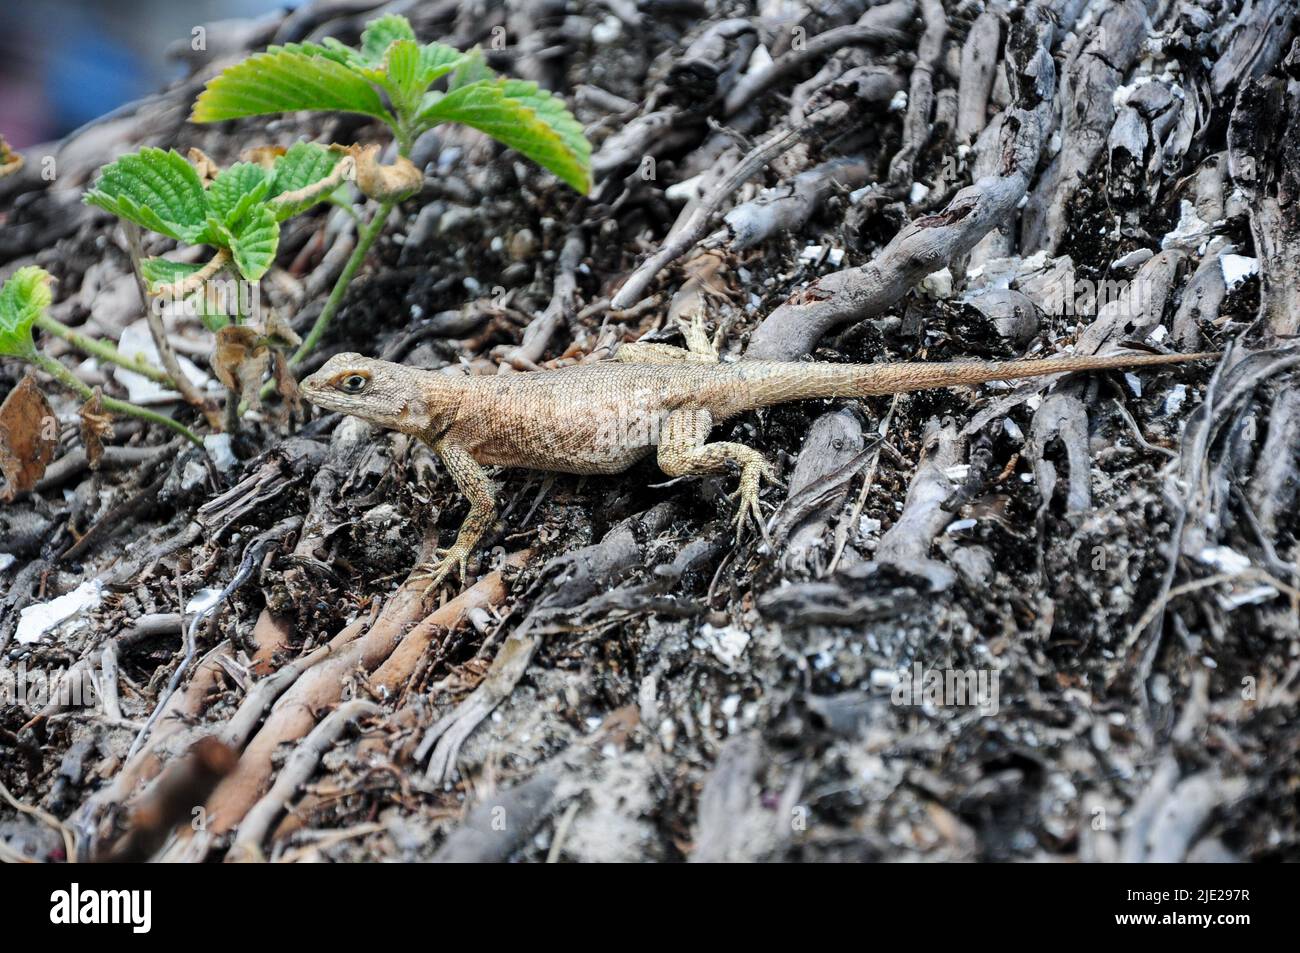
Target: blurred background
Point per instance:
(66, 62)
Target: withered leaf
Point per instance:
(10, 161)
(264, 156)
(205, 167)
(280, 330)
(29, 432)
(287, 385)
(239, 360)
(96, 427)
(385, 181)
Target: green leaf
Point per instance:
(157, 190)
(523, 117)
(236, 190)
(163, 271)
(286, 79)
(22, 299)
(401, 76)
(304, 164)
(379, 34)
(471, 69)
(254, 243)
(437, 60)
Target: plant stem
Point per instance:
(103, 350)
(364, 240)
(69, 380)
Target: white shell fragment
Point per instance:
(36, 621)
(1237, 268)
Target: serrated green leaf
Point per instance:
(163, 271)
(437, 60)
(471, 69)
(253, 246)
(334, 50)
(155, 189)
(304, 164)
(236, 190)
(286, 79)
(380, 33)
(401, 75)
(524, 118)
(22, 299)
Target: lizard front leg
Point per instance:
(683, 452)
(472, 480)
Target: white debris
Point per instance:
(608, 30)
(1190, 231)
(1177, 397)
(1158, 334)
(1253, 596)
(202, 601)
(883, 678)
(218, 447)
(1054, 143)
(727, 643)
(938, 284)
(1224, 558)
(919, 191)
(812, 253)
(868, 525)
(46, 617)
(1122, 94)
(960, 526)
(1237, 268)
(1134, 383)
(1012, 430)
(685, 190)
(1133, 259)
(957, 472)
(899, 102)
(6, 560)
(136, 341)
(835, 257)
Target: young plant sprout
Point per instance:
(390, 78)
(238, 212)
(23, 300)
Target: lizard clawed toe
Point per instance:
(440, 567)
(749, 508)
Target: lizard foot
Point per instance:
(698, 343)
(751, 477)
(437, 569)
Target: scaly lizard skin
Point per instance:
(604, 417)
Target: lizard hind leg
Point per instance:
(683, 452)
(699, 348)
(699, 345)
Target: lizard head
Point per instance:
(379, 392)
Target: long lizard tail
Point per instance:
(776, 382)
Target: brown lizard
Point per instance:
(604, 416)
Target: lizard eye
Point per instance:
(354, 383)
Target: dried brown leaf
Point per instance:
(205, 167)
(10, 162)
(264, 156)
(96, 427)
(240, 360)
(385, 181)
(29, 432)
